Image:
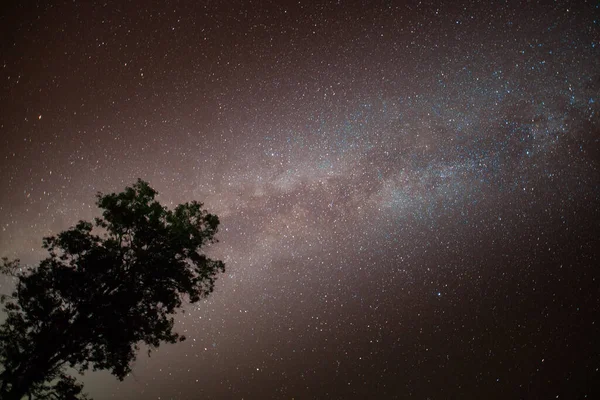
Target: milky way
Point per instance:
(408, 192)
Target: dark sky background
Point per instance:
(409, 191)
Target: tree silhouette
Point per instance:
(104, 289)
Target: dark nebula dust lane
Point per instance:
(409, 192)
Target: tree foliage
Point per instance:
(104, 289)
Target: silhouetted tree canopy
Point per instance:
(104, 289)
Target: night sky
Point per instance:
(409, 192)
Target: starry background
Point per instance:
(409, 191)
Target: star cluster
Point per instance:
(408, 191)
